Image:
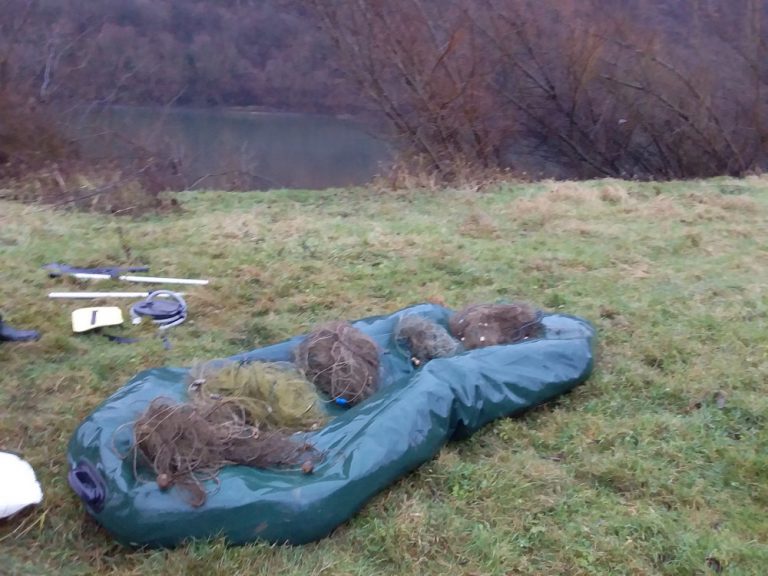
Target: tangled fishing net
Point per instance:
(483, 325)
(186, 444)
(425, 339)
(276, 395)
(341, 361)
(236, 415)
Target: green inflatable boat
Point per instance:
(365, 448)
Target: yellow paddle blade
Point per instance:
(84, 319)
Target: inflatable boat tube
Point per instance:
(366, 448)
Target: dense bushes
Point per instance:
(38, 163)
(571, 88)
(559, 87)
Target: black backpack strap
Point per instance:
(120, 339)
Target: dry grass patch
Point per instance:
(613, 194)
(479, 224)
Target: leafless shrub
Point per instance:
(560, 87)
(425, 74)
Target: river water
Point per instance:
(212, 147)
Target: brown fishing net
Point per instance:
(186, 444)
(424, 339)
(482, 325)
(341, 361)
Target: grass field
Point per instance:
(657, 465)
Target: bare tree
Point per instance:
(429, 80)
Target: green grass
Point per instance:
(658, 465)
